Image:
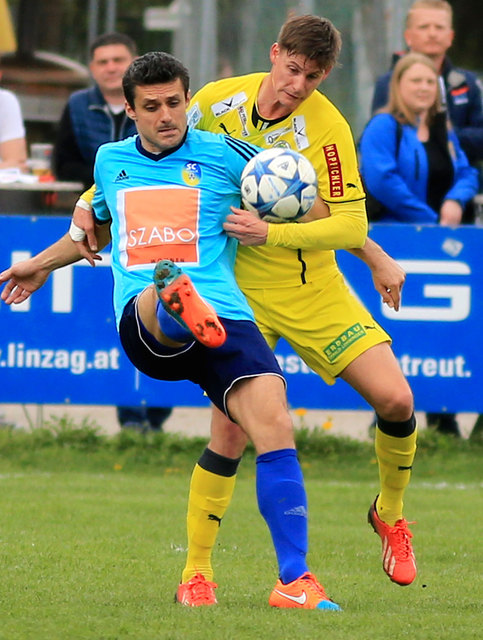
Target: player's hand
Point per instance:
(388, 277)
(22, 278)
(88, 245)
(246, 227)
(450, 214)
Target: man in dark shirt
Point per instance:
(95, 115)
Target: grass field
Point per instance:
(92, 543)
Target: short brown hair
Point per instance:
(441, 5)
(396, 106)
(313, 37)
(107, 39)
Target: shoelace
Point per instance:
(402, 538)
(313, 584)
(201, 589)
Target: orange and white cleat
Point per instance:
(304, 593)
(398, 559)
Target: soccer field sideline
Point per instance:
(431, 486)
(195, 421)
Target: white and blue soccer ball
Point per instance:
(280, 185)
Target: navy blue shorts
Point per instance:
(244, 354)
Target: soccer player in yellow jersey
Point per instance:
(290, 277)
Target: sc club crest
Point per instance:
(191, 174)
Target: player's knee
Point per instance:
(231, 445)
(273, 433)
(397, 406)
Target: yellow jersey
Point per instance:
(294, 253)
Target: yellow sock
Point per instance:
(209, 498)
(395, 457)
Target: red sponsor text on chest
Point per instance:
(335, 171)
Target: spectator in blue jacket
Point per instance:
(411, 159)
(429, 31)
(95, 115)
(90, 118)
(412, 162)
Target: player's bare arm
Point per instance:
(250, 230)
(388, 276)
(23, 278)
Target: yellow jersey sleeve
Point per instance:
(346, 228)
(88, 196)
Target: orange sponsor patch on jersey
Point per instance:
(161, 223)
(334, 169)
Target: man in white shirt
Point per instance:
(13, 147)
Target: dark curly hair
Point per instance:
(155, 67)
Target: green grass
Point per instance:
(92, 542)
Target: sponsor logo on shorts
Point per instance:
(335, 171)
(340, 344)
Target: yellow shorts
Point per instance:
(325, 324)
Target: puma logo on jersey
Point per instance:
(228, 104)
(225, 130)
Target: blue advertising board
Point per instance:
(61, 345)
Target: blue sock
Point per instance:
(283, 503)
(170, 327)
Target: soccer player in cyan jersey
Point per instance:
(165, 194)
(293, 284)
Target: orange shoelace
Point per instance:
(401, 543)
(201, 589)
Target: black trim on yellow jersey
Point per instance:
(303, 265)
(261, 123)
(344, 201)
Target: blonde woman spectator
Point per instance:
(411, 159)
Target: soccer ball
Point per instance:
(280, 185)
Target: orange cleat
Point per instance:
(181, 300)
(303, 593)
(197, 592)
(398, 559)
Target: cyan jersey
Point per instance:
(172, 206)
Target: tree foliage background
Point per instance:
(62, 25)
